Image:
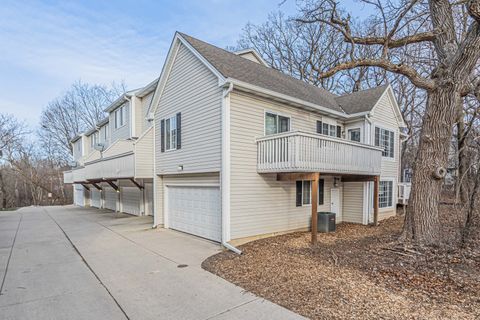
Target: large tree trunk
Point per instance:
(422, 224)
(461, 191)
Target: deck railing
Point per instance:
(404, 189)
(119, 166)
(305, 152)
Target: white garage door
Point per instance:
(131, 197)
(78, 195)
(110, 199)
(196, 210)
(96, 196)
(148, 199)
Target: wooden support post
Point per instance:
(314, 207)
(375, 200)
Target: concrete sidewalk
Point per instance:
(75, 263)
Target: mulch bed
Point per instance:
(360, 272)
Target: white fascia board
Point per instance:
(255, 53)
(299, 102)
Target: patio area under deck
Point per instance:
(315, 176)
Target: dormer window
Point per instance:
(120, 117)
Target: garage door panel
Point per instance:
(196, 210)
(131, 197)
(110, 199)
(78, 196)
(96, 196)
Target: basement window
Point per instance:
(385, 194)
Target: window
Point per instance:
(385, 139)
(105, 132)
(385, 194)
(93, 139)
(120, 117)
(171, 133)
(275, 123)
(304, 192)
(329, 129)
(354, 134)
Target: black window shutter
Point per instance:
(319, 126)
(377, 136)
(162, 135)
(392, 145)
(299, 194)
(321, 186)
(339, 131)
(179, 130)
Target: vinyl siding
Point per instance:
(193, 90)
(137, 108)
(384, 116)
(259, 203)
(145, 104)
(118, 147)
(144, 155)
(102, 136)
(77, 150)
(122, 132)
(353, 202)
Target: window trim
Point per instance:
(392, 180)
(394, 141)
(165, 133)
(265, 111)
(359, 133)
(123, 113)
(318, 193)
(330, 124)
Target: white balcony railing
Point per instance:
(305, 152)
(404, 189)
(68, 176)
(116, 167)
(78, 174)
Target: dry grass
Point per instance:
(359, 273)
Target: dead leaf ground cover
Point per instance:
(359, 272)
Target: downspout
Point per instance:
(225, 173)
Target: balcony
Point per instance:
(115, 167)
(74, 176)
(305, 152)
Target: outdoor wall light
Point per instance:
(335, 182)
(180, 167)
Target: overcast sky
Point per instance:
(45, 46)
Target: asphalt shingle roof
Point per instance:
(360, 101)
(233, 66)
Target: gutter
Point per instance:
(225, 173)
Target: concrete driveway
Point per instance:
(76, 263)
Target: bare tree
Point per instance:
(444, 70)
(12, 132)
(79, 109)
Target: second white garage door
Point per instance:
(195, 210)
(96, 195)
(78, 195)
(131, 197)
(110, 199)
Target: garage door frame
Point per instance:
(166, 221)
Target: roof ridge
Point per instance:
(332, 95)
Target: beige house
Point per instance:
(113, 162)
(236, 144)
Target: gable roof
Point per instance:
(254, 77)
(361, 101)
(233, 66)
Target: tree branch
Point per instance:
(404, 70)
(392, 43)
